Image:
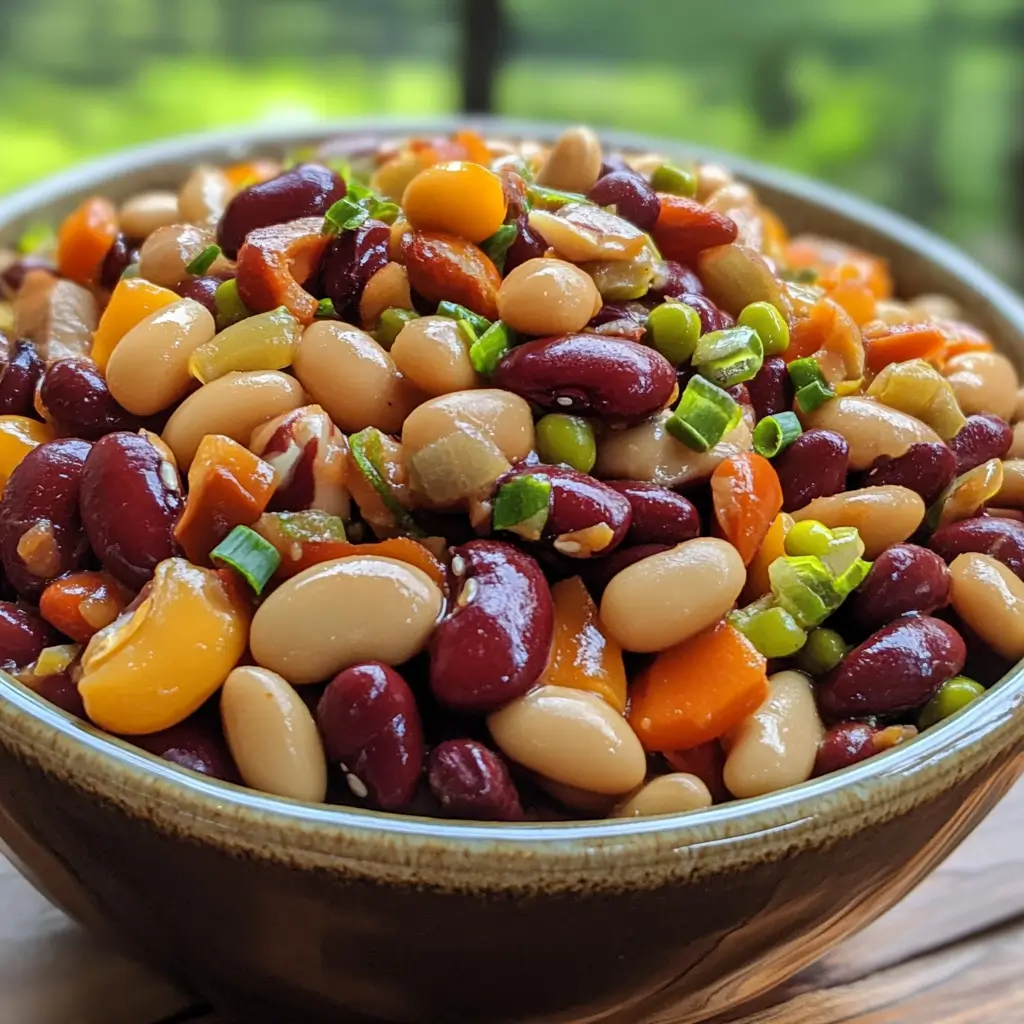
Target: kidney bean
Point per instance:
(20, 379)
(351, 260)
(676, 280)
(711, 317)
(613, 163)
(494, 644)
(202, 289)
(984, 437)
(898, 668)
(904, 578)
(61, 690)
(579, 504)
(527, 245)
(13, 275)
(120, 256)
(197, 744)
(770, 390)
(707, 762)
(308, 190)
(372, 729)
(660, 516)
(22, 635)
(41, 534)
(844, 744)
(927, 467)
(597, 573)
(471, 781)
(631, 196)
(131, 501)
(621, 321)
(1002, 539)
(75, 393)
(813, 466)
(618, 379)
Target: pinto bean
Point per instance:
(813, 466)
(131, 499)
(494, 643)
(898, 668)
(927, 468)
(904, 578)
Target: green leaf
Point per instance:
(345, 215)
(202, 263)
(496, 247)
(325, 309)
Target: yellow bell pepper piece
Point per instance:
(130, 303)
(918, 389)
(263, 342)
(154, 666)
(773, 546)
(18, 436)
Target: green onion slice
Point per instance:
(202, 263)
(552, 198)
(806, 371)
(769, 627)
(252, 557)
(496, 247)
(803, 585)
(325, 309)
(729, 357)
(811, 396)
(521, 505)
(390, 324)
(774, 433)
(454, 311)
(704, 415)
(229, 305)
(486, 351)
(368, 452)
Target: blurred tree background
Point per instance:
(918, 104)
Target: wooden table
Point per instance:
(951, 953)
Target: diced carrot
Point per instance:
(84, 240)
(809, 334)
(697, 691)
(747, 497)
(250, 172)
(915, 341)
(963, 345)
(475, 147)
(130, 303)
(857, 299)
(835, 261)
(583, 656)
(773, 546)
(82, 603)
(830, 335)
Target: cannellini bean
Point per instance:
(574, 162)
(667, 794)
(548, 296)
(143, 214)
(433, 353)
(990, 599)
(983, 382)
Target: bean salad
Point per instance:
(496, 480)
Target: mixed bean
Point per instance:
(498, 481)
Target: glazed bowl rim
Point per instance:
(105, 757)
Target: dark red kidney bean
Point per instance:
(494, 644)
(844, 744)
(707, 762)
(898, 668)
(579, 502)
(677, 280)
(75, 394)
(13, 275)
(131, 501)
(527, 245)
(927, 467)
(660, 516)
(598, 572)
(308, 190)
(41, 533)
(372, 730)
(621, 321)
(202, 289)
(471, 781)
(616, 379)
(903, 578)
(631, 196)
(1002, 539)
(22, 635)
(196, 744)
(120, 256)
(351, 260)
(711, 317)
(770, 390)
(613, 163)
(984, 437)
(813, 466)
(20, 379)
(62, 691)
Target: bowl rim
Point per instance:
(145, 784)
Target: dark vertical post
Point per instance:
(482, 32)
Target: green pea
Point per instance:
(674, 328)
(771, 629)
(808, 537)
(824, 649)
(679, 181)
(954, 694)
(390, 325)
(770, 325)
(566, 439)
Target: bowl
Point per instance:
(278, 911)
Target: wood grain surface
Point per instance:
(950, 953)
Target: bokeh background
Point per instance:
(918, 104)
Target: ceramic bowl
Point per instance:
(275, 911)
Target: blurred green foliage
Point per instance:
(915, 103)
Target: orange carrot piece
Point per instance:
(697, 691)
(250, 172)
(475, 147)
(747, 496)
(84, 240)
(82, 603)
(583, 656)
(964, 345)
(857, 299)
(130, 303)
(916, 341)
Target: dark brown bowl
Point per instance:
(277, 911)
